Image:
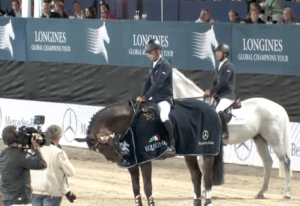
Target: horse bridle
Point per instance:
(117, 136)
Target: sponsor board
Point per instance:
(255, 48)
(74, 119)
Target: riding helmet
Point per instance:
(152, 45)
(224, 48)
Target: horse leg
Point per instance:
(192, 164)
(135, 179)
(262, 148)
(147, 179)
(208, 164)
(201, 165)
(284, 160)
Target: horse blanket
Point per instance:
(197, 131)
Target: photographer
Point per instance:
(50, 185)
(15, 166)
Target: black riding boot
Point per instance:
(169, 126)
(225, 134)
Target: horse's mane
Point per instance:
(100, 116)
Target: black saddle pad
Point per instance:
(197, 131)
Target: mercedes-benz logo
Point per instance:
(243, 150)
(205, 135)
(69, 125)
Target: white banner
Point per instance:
(74, 119)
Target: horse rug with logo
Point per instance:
(197, 130)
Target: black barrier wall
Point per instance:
(104, 85)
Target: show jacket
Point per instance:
(159, 85)
(224, 82)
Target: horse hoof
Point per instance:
(260, 196)
(286, 197)
(138, 200)
(203, 194)
(197, 202)
(151, 201)
(208, 202)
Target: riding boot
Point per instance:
(225, 134)
(169, 127)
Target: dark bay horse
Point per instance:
(113, 121)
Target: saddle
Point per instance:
(228, 111)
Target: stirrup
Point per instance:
(225, 135)
(123, 163)
(171, 150)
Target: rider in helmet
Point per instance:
(159, 86)
(224, 85)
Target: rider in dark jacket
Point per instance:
(159, 86)
(224, 85)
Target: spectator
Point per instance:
(255, 5)
(50, 185)
(2, 13)
(105, 12)
(15, 166)
(254, 17)
(15, 9)
(90, 13)
(288, 17)
(59, 7)
(234, 17)
(78, 13)
(47, 13)
(205, 17)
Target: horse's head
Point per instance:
(103, 127)
(103, 145)
(203, 45)
(103, 33)
(95, 40)
(212, 37)
(6, 32)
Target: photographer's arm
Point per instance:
(36, 162)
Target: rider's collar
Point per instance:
(221, 63)
(154, 63)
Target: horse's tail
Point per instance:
(218, 168)
(287, 146)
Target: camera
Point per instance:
(25, 134)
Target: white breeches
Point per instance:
(164, 110)
(223, 104)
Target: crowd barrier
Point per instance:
(173, 10)
(254, 48)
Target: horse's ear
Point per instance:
(80, 140)
(103, 23)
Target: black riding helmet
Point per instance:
(224, 48)
(152, 45)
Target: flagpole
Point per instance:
(162, 10)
